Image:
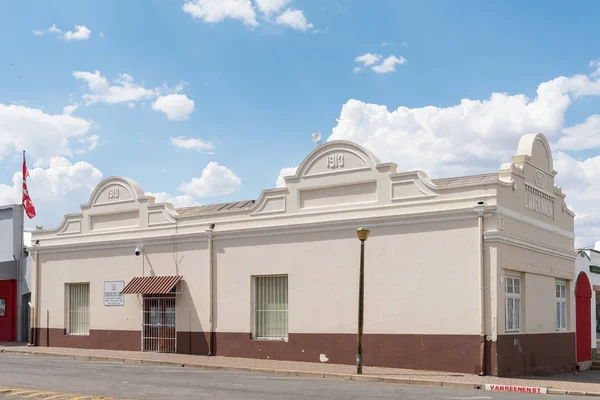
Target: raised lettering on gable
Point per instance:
(539, 202)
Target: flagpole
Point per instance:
(32, 314)
(20, 288)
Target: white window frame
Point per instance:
(255, 318)
(68, 309)
(513, 297)
(561, 302)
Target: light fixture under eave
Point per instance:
(316, 137)
(362, 233)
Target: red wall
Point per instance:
(8, 323)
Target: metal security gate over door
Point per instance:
(158, 324)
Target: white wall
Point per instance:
(418, 279)
(7, 234)
(120, 264)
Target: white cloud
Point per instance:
(384, 44)
(81, 33)
(55, 191)
(268, 7)
(476, 136)
(294, 19)
(595, 64)
(40, 134)
(585, 135)
(125, 90)
(101, 34)
(90, 141)
(213, 11)
(580, 180)
(177, 106)
(70, 109)
(176, 201)
(122, 90)
(216, 180)
(54, 29)
(289, 171)
(388, 65)
(191, 143)
(366, 60)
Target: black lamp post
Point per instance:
(363, 235)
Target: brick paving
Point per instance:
(587, 382)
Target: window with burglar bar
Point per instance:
(561, 306)
(512, 294)
(271, 307)
(78, 308)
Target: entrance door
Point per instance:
(583, 315)
(8, 310)
(158, 330)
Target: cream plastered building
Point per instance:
(460, 273)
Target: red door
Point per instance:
(583, 328)
(8, 310)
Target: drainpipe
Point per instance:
(35, 314)
(480, 209)
(211, 339)
(19, 282)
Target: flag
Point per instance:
(27, 204)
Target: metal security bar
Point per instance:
(78, 309)
(158, 324)
(271, 307)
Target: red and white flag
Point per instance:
(27, 204)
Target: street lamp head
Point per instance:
(362, 233)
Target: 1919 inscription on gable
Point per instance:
(113, 193)
(335, 161)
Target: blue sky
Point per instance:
(262, 81)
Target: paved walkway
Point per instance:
(585, 383)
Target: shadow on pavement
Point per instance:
(588, 376)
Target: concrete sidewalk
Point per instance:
(586, 383)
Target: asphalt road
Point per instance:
(56, 378)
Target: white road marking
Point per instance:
(467, 398)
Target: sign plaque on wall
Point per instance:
(112, 293)
(2, 307)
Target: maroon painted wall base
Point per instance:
(97, 339)
(453, 353)
(510, 355)
(531, 354)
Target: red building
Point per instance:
(13, 317)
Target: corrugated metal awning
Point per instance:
(151, 285)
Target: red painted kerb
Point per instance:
(583, 328)
(8, 322)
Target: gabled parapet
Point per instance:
(341, 174)
(534, 194)
(115, 204)
(336, 177)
